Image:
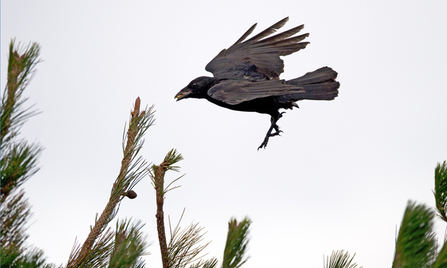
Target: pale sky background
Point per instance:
(340, 175)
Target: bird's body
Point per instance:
(246, 77)
(267, 105)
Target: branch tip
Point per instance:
(136, 110)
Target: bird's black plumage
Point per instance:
(246, 76)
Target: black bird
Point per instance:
(246, 77)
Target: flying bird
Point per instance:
(246, 77)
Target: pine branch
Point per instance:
(18, 164)
(440, 191)
(211, 263)
(441, 259)
(237, 242)
(129, 246)
(20, 72)
(131, 172)
(15, 213)
(18, 159)
(33, 258)
(184, 248)
(157, 174)
(99, 254)
(340, 259)
(416, 242)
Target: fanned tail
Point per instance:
(317, 85)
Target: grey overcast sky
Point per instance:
(340, 175)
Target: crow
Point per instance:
(246, 77)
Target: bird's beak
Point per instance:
(183, 94)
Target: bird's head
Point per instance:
(197, 88)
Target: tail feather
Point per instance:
(317, 85)
(323, 74)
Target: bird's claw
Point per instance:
(266, 139)
(263, 145)
(269, 134)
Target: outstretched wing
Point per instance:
(234, 92)
(258, 57)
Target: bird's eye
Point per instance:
(194, 85)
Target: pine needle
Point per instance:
(340, 259)
(237, 242)
(184, 248)
(416, 242)
(130, 245)
(440, 191)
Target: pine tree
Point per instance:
(18, 160)
(416, 244)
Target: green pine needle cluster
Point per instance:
(156, 173)
(416, 242)
(18, 160)
(440, 191)
(340, 259)
(21, 69)
(97, 255)
(129, 245)
(441, 260)
(122, 248)
(237, 242)
(184, 247)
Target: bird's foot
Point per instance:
(269, 134)
(264, 143)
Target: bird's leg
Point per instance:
(274, 126)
